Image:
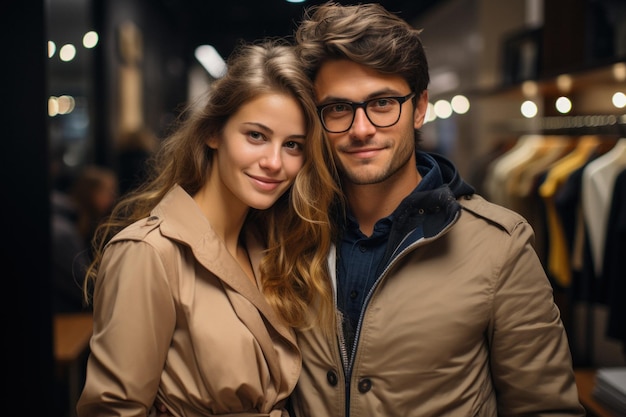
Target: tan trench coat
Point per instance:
(177, 319)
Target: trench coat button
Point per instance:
(331, 377)
(152, 220)
(365, 385)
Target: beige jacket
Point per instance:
(175, 318)
(461, 324)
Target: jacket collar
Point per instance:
(434, 197)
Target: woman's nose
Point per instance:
(272, 159)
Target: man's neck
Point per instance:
(372, 202)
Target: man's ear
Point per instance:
(421, 106)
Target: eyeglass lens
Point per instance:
(381, 112)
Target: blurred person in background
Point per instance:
(135, 150)
(80, 201)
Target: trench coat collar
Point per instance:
(182, 220)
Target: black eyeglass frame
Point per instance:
(363, 105)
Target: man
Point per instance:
(445, 307)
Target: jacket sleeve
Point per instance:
(134, 319)
(530, 358)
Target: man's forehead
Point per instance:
(347, 80)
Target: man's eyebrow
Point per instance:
(332, 99)
(379, 93)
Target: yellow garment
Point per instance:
(559, 259)
(521, 185)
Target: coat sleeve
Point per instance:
(530, 358)
(134, 319)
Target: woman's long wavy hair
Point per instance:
(298, 230)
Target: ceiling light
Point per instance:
(211, 60)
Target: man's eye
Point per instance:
(381, 102)
(340, 108)
(383, 105)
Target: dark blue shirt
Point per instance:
(361, 259)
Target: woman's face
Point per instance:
(260, 150)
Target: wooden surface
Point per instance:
(585, 380)
(71, 336)
(72, 333)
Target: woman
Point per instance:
(189, 310)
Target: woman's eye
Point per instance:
(294, 145)
(256, 135)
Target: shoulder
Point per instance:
(499, 216)
(145, 232)
(138, 230)
(141, 251)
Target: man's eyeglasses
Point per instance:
(380, 111)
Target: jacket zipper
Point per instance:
(395, 257)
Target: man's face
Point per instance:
(367, 154)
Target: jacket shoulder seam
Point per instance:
(500, 216)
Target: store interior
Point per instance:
(489, 56)
(544, 77)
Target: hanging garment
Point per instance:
(597, 185)
(495, 185)
(555, 148)
(524, 180)
(614, 265)
(559, 257)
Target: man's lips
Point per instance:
(363, 152)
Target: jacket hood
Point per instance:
(451, 176)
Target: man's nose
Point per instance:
(361, 125)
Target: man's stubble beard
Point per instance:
(360, 175)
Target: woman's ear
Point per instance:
(421, 106)
(212, 142)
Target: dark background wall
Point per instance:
(27, 368)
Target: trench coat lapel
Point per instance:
(183, 221)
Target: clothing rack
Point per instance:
(580, 306)
(592, 124)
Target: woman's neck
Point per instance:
(226, 217)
